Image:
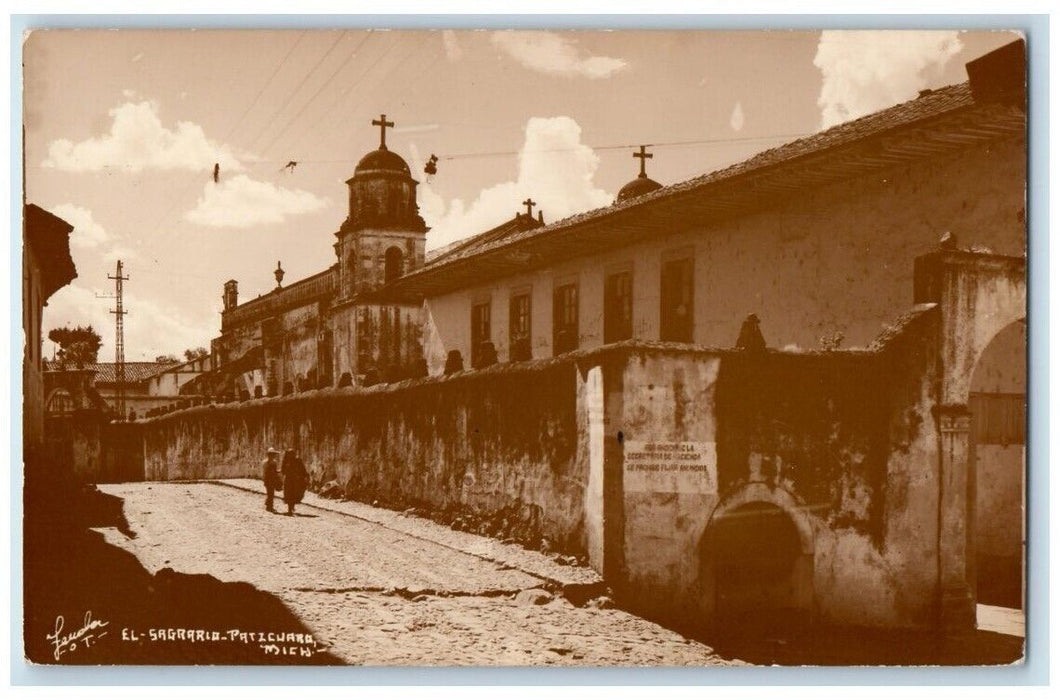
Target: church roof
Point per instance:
(382, 159)
(637, 187)
(937, 122)
(520, 222)
(305, 291)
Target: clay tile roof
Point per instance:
(134, 371)
(520, 222)
(928, 105)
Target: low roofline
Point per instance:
(942, 121)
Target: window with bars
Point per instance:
(618, 307)
(998, 419)
(519, 329)
(564, 319)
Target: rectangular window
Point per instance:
(519, 339)
(676, 296)
(618, 307)
(565, 319)
(480, 334)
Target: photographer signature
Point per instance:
(86, 635)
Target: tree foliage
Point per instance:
(195, 353)
(77, 346)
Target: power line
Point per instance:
(330, 109)
(491, 154)
(184, 191)
(301, 83)
(315, 94)
(265, 85)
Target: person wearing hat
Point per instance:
(271, 476)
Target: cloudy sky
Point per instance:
(123, 129)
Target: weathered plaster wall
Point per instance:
(843, 442)
(299, 348)
(835, 259)
(667, 397)
(495, 443)
(32, 377)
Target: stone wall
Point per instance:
(842, 443)
(637, 455)
(497, 448)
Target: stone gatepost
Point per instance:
(601, 379)
(957, 605)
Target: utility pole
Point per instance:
(119, 342)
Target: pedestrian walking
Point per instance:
(294, 480)
(270, 475)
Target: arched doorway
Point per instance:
(758, 565)
(997, 459)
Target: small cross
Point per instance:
(529, 206)
(382, 123)
(643, 155)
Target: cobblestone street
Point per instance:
(378, 587)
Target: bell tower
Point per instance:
(383, 236)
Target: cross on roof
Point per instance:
(529, 206)
(382, 123)
(643, 155)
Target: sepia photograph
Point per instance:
(524, 348)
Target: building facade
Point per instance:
(832, 332)
(46, 268)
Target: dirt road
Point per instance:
(380, 588)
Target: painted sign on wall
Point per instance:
(670, 467)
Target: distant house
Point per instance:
(148, 385)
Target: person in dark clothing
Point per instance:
(270, 475)
(294, 480)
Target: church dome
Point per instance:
(642, 184)
(382, 159)
(637, 187)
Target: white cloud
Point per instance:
(150, 329)
(137, 141)
(736, 120)
(87, 233)
(549, 52)
(865, 71)
(120, 252)
(240, 202)
(452, 45)
(555, 169)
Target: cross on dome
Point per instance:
(382, 123)
(643, 155)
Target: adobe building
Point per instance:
(789, 391)
(46, 268)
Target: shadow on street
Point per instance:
(70, 571)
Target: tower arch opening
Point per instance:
(393, 264)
